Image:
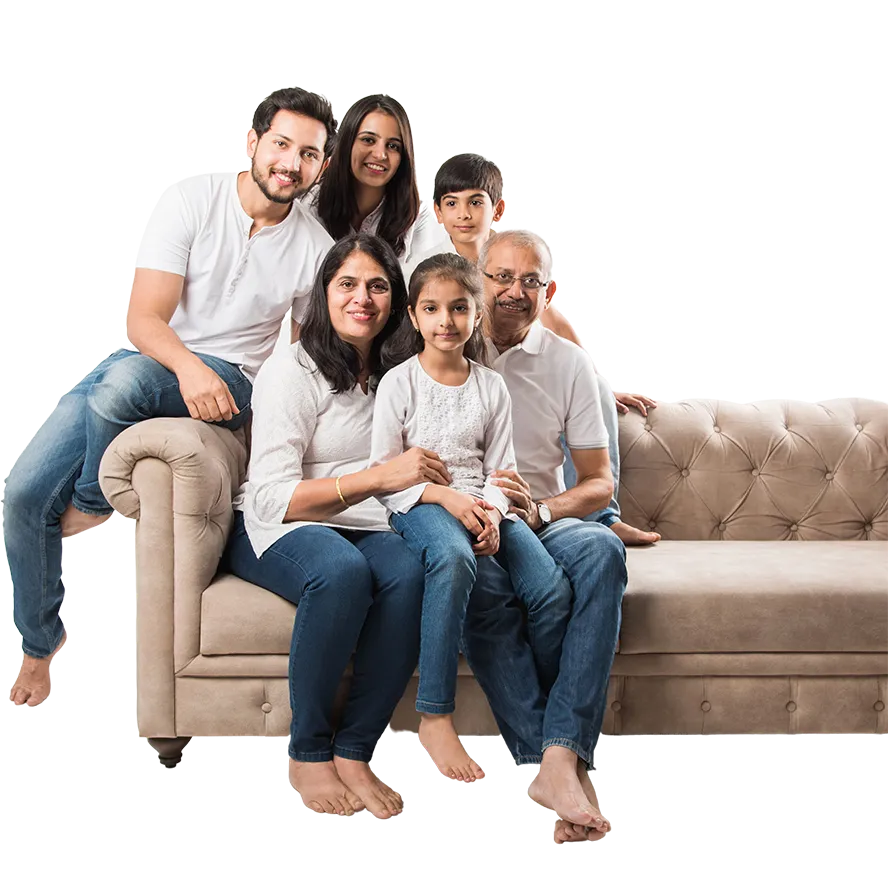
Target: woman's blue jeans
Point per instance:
(61, 465)
(355, 592)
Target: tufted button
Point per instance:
(716, 429)
(878, 706)
(266, 708)
(721, 526)
(828, 475)
(706, 706)
(755, 472)
(793, 527)
(791, 707)
(867, 528)
(859, 427)
(647, 426)
(652, 525)
(616, 706)
(685, 472)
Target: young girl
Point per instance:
(444, 399)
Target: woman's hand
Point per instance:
(412, 467)
(518, 492)
(489, 539)
(625, 400)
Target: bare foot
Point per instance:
(632, 536)
(589, 791)
(32, 685)
(321, 788)
(439, 738)
(565, 832)
(558, 787)
(73, 521)
(377, 796)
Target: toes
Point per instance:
(476, 770)
(315, 806)
(377, 807)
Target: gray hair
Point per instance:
(519, 238)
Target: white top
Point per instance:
(425, 232)
(468, 426)
(237, 289)
(302, 431)
(554, 389)
(443, 245)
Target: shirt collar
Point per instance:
(532, 343)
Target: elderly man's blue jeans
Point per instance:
(61, 465)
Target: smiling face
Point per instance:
(359, 300)
(513, 309)
(445, 314)
(289, 156)
(376, 152)
(467, 215)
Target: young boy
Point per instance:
(468, 201)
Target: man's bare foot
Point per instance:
(558, 787)
(321, 788)
(32, 685)
(565, 832)
(377, 796)
(589, 791)
(73, 521)
(439, 738)
(632, 536)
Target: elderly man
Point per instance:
(554, 392)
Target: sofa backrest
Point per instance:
(770, 470)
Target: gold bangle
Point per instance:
(339, 492)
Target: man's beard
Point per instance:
(283, 197)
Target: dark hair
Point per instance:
(468, 172)
(337, 203)
(337, 360)
(300, 102)
(407, 341)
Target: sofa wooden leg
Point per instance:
(169, 749)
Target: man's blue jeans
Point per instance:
(355, 591)
(610, 514)
(444, 546)
(61, 465)
(496, 646)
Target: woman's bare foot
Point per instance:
(321, 788)
(558, 787)
(566, 832)
(632, 536)
(32, 685)
(73, 521)
(439, 738)
(377, 796)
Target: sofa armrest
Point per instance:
(176, 478)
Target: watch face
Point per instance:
(545, 513)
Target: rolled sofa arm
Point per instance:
(176, 478)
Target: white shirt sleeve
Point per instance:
(584, 426)
(393, 398)
(170, 233)
(427, 234)
(285, 411)
(499, 453)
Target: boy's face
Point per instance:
(467, 215)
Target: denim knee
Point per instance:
(25, 494)
(125, 392)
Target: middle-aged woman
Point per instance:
(309, 528)
(370, 184)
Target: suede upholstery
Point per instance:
(763, 610)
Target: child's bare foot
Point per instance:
(32, 685)
(73, 521)
(439, 738)
(558, 787)
(321, 788)
(566, 832)
(632, 536)
(377, 796)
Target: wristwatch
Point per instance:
(545, 513)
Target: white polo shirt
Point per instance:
(554, 389)
(237, 288)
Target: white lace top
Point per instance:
(469, 426)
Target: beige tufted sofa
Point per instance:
(763, 610)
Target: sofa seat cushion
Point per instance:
(698, 596)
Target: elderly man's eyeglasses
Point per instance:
(505, 280)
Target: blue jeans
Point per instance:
(496, 645)
(610, 514)
(61, 465)
(356, 592)
(444, 546)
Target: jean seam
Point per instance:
(358, 754)
(311, 756)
